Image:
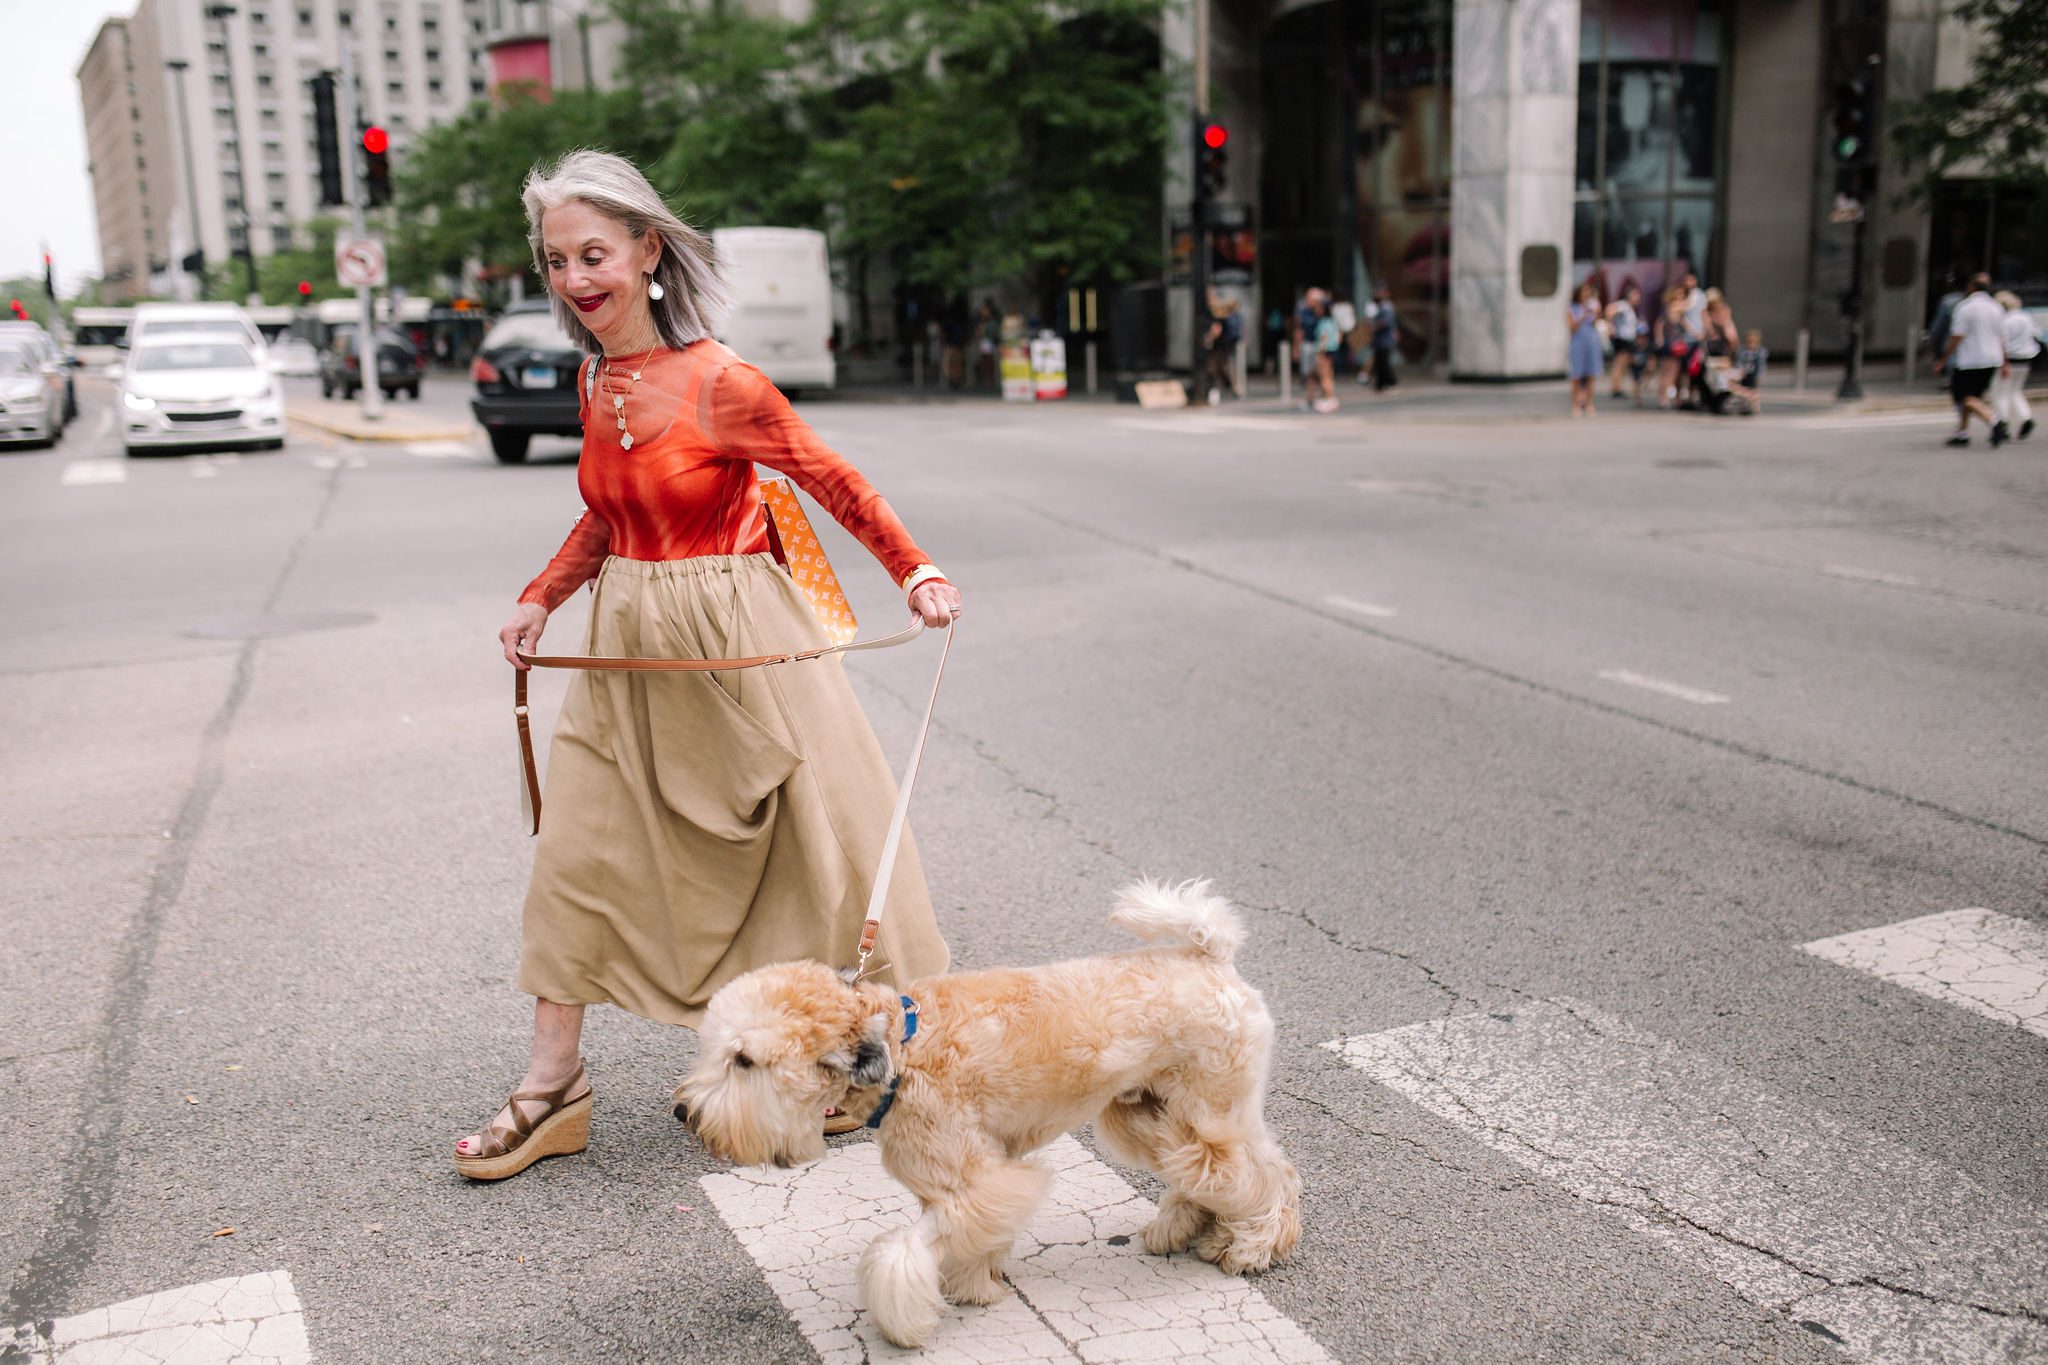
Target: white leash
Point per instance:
(876, 899)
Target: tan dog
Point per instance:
(1164, 1048)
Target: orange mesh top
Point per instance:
(688, 488)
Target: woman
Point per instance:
(1624, 322)
(1386, 336)
(697, 825)
(1671, 342)
(2022, 349)
(1585, 359)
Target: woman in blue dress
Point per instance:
(1585, 359)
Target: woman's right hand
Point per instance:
(522, 632)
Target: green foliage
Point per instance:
(1994, 127)
(458, 189)
(29, 289)
(963, 141)
(1009, 137)
(278, 275)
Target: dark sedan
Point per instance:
(525, 377)
(398, 365)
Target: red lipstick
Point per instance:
(587, 304)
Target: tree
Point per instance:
(278, 274)
(459, 189)
(1994, 127)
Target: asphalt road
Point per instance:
(1535, 751)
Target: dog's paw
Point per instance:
(1179, 1220)
(1231, 1251)
(979, 1287)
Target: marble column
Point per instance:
(1514, 123)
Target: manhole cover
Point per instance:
(1691, 462)
(264, 625)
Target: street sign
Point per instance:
(359, 262)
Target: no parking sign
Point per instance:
(359, 262)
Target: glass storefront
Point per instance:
(1356, 160)
(1650, 95)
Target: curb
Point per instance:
(357, 430)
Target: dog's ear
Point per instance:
(865, 1062)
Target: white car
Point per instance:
(152, 321)
(30, 409)
(295, 358)
(198, 388)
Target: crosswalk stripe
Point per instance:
(1086, 1289)
(245, 1319)
(1896, 1256)
(77, 472)
(1988, 963)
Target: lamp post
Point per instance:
(220, 14)
(197, 256)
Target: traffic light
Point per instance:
(1212, 151)
(19, 311)
(305, 290)
(1852, 142)
(377, 165)
(327, 141)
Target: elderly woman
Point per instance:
(701, 824)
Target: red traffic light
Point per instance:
(305, 289)
(1215, 135)
(19, 311)
(375, 140)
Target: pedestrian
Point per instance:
(1975, 355)
(2022, 346)
(1695, 304)
(1307, 312)
(1751, 360)
(1672, 344)
(1385, 338)
(697, 824)
(958, 331)
(1226, 332)
(1623, 325)
(988, 330)
(1329, 338)
(1585, 360)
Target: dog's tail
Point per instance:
(1153, 910)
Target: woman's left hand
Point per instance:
(936, 602)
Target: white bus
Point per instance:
(99, 333)
(781, 316)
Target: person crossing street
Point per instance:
(1975, 355)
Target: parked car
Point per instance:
(398, 365)
(525, 375)
(198, 388)
(30, 410)
(56, 369)
(295, 358)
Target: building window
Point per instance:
(390, 24)
(306, 19)
(391, 56)
(432, 54)
(345, 19)
(280, 238)
(476, 87)
(396, 89)
(277, 206)
(264, 81)
(434, 89)
(260, 49)
(1650, 93)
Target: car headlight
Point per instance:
(137, 402)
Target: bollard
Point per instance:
(1089, 351)
(1912, 351)
(1799, 359)
(1286, 370)
(1240, 370)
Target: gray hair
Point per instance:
(687, 269)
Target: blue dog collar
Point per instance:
(889, 1095)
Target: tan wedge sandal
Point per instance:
(513, 1141)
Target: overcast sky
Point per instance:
(42, 139)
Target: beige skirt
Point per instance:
(699, 825)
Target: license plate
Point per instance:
(540, 377)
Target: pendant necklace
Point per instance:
(619, 401)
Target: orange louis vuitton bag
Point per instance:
(795, 547)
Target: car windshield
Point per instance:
(528, 331)
(347, 336)
(195, 355)
(210, 326)
(16, 362)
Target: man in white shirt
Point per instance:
(1975, 355)
(2022, 347)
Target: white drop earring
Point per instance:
(654, 289)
